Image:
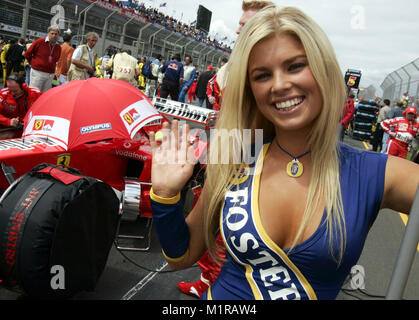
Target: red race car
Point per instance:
(100, 127)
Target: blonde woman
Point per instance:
(294, 221)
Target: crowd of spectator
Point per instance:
(153, 15)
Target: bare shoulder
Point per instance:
(401, 182)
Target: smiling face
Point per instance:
(285, 90)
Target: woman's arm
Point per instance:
(172, 166)
(401, 182)
(197, 247)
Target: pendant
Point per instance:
(295, 168)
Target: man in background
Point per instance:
(201, 87)
(402, 131)
(396, 111)
(65, 59)
(348, 112)
(378, 138)
(15, 101)
(151, 83)
(14, 57)
(124, 67)
(43, 56)
(26, 64)
(405, 100)
(83, 59)
(5, 45)
(173, 78)
(189, 72)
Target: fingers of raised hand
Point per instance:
(176, 144)
(187, 146)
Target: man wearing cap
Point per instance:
(201, 86)
(402, 131)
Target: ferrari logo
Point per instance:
(45, 125)
(131, 116)
(128, 118)
(38, 124)
(63, 160)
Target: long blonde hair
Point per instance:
(238, 112)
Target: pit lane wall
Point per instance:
(116, 26)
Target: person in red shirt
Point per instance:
(192, 91)
(402, 131)
(348, 112)
(43, 55)
(15, 101)
(214, 93)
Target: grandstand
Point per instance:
(145, 31)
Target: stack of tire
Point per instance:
(365, 119)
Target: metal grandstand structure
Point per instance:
(116, 27)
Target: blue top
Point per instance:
(173, 70)
(257, 268)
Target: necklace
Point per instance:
(51, 50)
(294, 168)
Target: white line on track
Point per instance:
(137, 288)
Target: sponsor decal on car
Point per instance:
(131, 116)
(137, 115)
(63, 160)
(55, 128)
(131, 155)
(43, 124)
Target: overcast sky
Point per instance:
(375, 36)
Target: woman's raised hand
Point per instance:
(173, 161)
